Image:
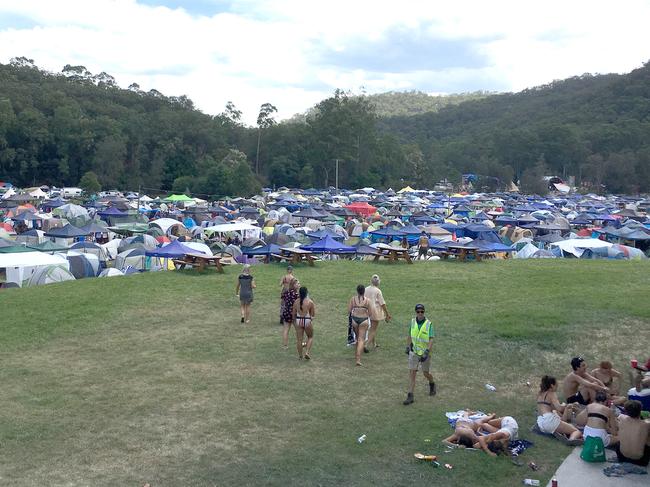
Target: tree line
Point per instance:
(71, 127)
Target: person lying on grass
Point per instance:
(549, 410)
(466, 429)
(503, 431)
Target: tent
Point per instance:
(83, 265)
(68, 231)
(329, 245)
(361, 207)
(133, 257)
(49, 274)
(172, 250)
(576, 246)
(111, 272)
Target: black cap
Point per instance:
(419, 306)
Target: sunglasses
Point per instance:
(419, 311)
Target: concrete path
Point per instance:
(574, 472)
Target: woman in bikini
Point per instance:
(549, 409)
(599, 420)
(303, 318)
(289, 297)
(359, 310)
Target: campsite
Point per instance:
(151, 378)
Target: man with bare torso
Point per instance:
(580, 386)
(634, 436)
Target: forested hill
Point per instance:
(596, 127)
(75, 127)
(406, 103)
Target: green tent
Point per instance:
(12, 249)
(47, 246)
(176, 198)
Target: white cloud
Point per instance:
(271, 50)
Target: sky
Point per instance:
(295, 53)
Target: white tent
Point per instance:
(20, 266)
(577, 246)
(246, 229)
(165, 224)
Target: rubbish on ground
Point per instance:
(490, 387)
(421, 456)
(362, 438)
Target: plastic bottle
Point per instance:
(531, 482)
(490, 387)
(361, 439)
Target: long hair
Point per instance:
(546, 383)
(361, 289)
(303, 294)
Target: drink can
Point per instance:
(490, 387)
(634, 363)
(361, 439)
(554, 482)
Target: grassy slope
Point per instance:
(152, 378)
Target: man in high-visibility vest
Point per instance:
(418, 348)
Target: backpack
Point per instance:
(593, 450)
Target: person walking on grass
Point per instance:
(245, 286)
(304, 311)
(285, 284)
(359, 311)
(289, 297)
(423, 245)
(418, 348)
(378, 310)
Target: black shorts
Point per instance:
(577, 397)
(423, 250)
(643, 461)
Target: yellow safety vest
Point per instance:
(420, 336)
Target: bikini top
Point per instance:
(599, 416)
(545, 402)
(355, 306)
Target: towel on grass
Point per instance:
(452, 416)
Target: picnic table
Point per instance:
(461, 252)
(295, 255)
(393, 254)
(200, 261)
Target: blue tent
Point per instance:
(388, 232)
(329, 245)
(112, 212)
(172, 250)
(326, 232)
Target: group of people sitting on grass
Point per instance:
(592, 409)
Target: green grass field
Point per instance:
(151, 378)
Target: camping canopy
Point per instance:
(173, 250)
(329, 245)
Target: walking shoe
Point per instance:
(365, 350)
(409, 399)
(242, 320)
(432, 388)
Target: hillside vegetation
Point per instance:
(56, 128)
